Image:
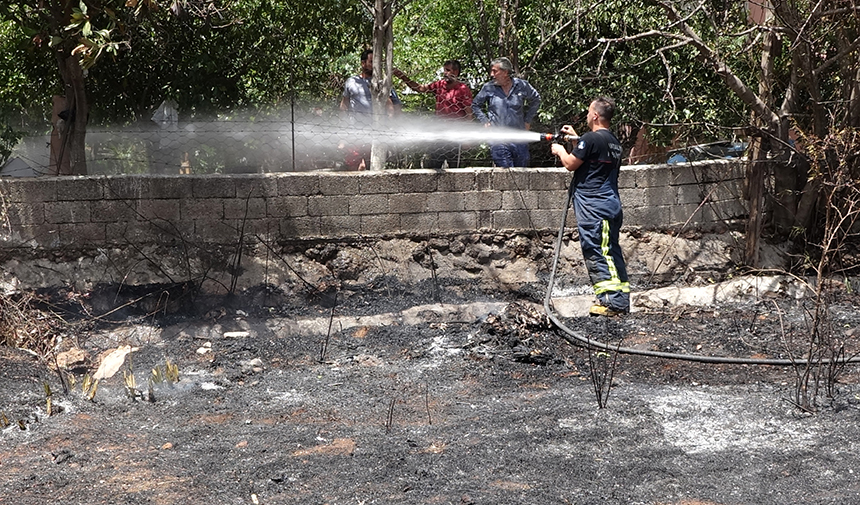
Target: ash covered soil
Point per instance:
(446, 384)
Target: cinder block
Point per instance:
(552, 199)
(650, 217)
(720, 170)
(298, 184)
(627, 177)
(484, 219)
(646, 177)
(262, 227)
(24, 214)
(520, 200)
(571, 219)
(684, 174)
(67, 212)
(373, 182)
(647, 197)
(43, 236)
(168, 187)
(729, 190)
(482, 200)
(328, 205)
(340, 183)
(79, 188)
(687, 213)
(287, 206)
(445, 202)
(483, 179)
(688, 194)
(424, 222)
(738, 170)
(456, 180)
(418, 181)
(148, 232)
(407, 203)
(634, 197)
(82, 234)
(193, 209)
(213, 186)
(214, 231)
(384, 224)
(127, 187)
(244, 208)
(124, 232)
(546, 179)
(340, 226)
(167, 210)
(365, 205)
(545, 219)
(29, 189)
(111, 211)
(726, 210)
(510, 179)
(255, 186)
(300, 227)
(511, 220)
(457, 221)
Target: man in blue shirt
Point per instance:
(510, 102)
(595, 163)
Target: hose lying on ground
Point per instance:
(577, 338)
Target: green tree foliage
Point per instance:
(560, 48)
(210, 56)
(18, 91)
(26, 75)
(259, 53)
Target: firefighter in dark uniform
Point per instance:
(595, 163)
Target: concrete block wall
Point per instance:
(100, 211)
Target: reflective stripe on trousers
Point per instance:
(614, 283)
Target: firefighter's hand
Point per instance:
(558, 149)
(567, 129)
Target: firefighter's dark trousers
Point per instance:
(599, 221)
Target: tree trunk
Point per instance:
(851, 72)
(70, 158)
(757, 168)
(756, 173)
(380, 84)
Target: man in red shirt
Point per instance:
(453, 101)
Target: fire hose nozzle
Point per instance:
(558, 138)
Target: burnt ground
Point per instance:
(438, 391)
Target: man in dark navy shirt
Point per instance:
(595, 163)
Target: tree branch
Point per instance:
(710, 57)
(583, 55)
(841, 54)
(546, 42)
(839, 12)
(551, 37)
(805, 24)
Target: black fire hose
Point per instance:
(577, 338)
